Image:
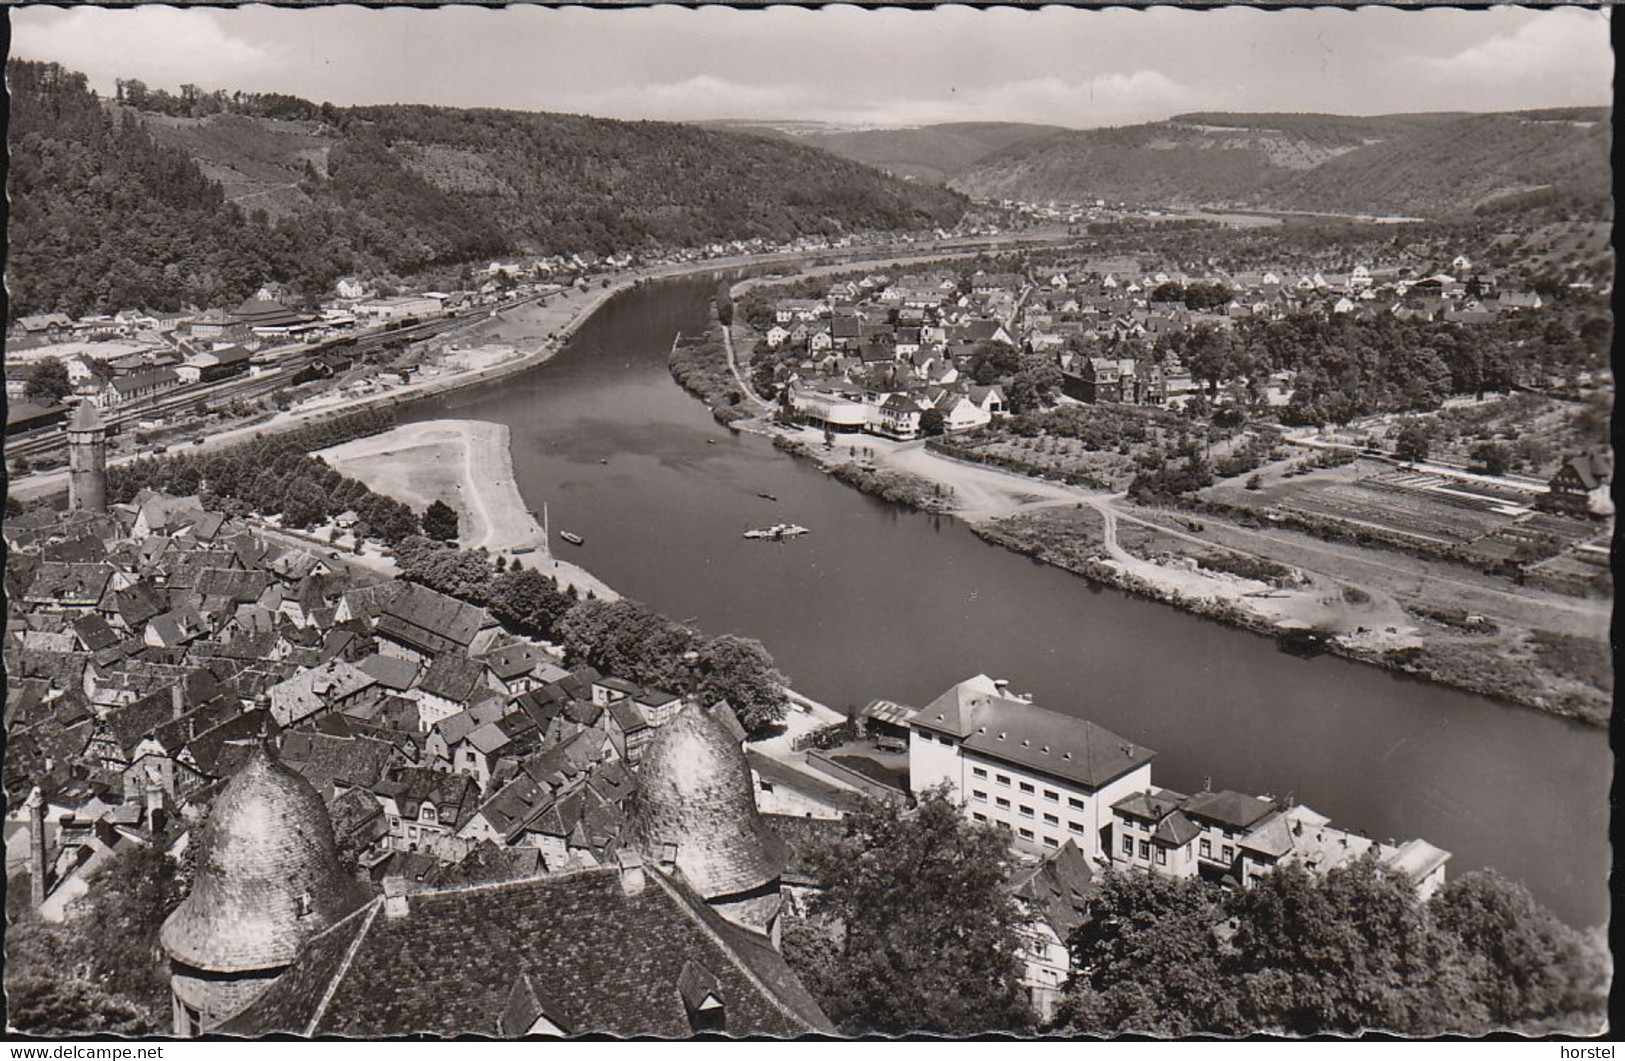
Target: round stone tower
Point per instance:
(268, 878)
(87, 460)
(694, 812)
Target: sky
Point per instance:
(849, 65)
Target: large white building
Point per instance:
(1044, 776)
(1048, 777)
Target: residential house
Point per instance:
(899, 417)
(1581, 486)
(1054, 896)
(1151, 834)
(423, 805)
(453, 682)
(335, 686)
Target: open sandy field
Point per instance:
(466, 464)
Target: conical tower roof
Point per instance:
(694, 794)
(268, 875)
(86, 417)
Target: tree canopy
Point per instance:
(1348, 951)
(440, 521)
(916, 929)
(48, 383)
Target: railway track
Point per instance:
(189, 397)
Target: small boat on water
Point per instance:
(777, 532)
(603, 460)
(710, 442)
(572, 538)
(766, 495)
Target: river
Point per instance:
(884, 602)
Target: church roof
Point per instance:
(695, 801)
(268, 875)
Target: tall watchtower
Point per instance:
(87, 460)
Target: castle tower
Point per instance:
(37, 865)
(694, 812)
(268, 878)
(87, 460)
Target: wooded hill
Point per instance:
(1425, 165)
(158, 200)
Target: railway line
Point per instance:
(43, 442)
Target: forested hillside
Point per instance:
(130, 202)
(1413, 164)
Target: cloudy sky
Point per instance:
(1077, 68)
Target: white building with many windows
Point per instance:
(1044, 776)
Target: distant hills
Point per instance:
(1405, 164)
(929, 153)
(156, 200)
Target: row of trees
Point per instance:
(914, 929)
(1349, 951)
(270, 476)
(623, 638)
(632, 641)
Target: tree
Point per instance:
(1345, 952)
(528, 601)
(58, 1005)
(628, 640)
(48, 383)
(1531, 967)
(932, 423)
(741, 672)
(1147, 960)
(923, 923)
(103, 970)
(1210, 355)
(440, 521)
(1412, 442)
(1496, 457)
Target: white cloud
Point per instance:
(1100, 100)
(162, 45)
(1557, 57)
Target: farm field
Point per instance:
(1372, 501)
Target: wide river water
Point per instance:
(880, 601)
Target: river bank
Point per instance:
(468, 464)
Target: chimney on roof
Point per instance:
(177, 700)
(633, 880)
(395, 904)
(157, 817)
